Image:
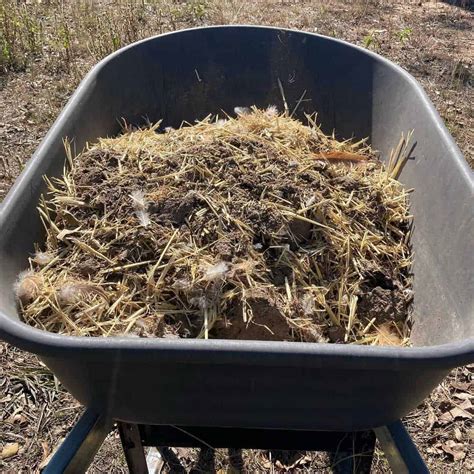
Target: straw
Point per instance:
(251, 227)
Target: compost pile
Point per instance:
(254, 227)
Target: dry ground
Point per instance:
(45, 49)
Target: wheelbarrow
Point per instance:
(186, 75)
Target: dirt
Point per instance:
(266, 321)
(175, 209)
(438, 52)
(336, 334)
(87, 268)
(383, 304)
(383, 298)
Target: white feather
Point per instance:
(307, 305)
(242, 110)
(42, 258)
(217, 271)
(138, 198)
(144, 218)
(272, 111)
(199, 302)
(70, 293)
(221, 122)
(140, 204)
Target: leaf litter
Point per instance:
(253, 227)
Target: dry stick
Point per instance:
(282, 92)
(352, 310)
(298, 103)
(88, 249)
(133, 319)
(342, 156)
(128, 266)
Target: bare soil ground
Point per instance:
(48, 46)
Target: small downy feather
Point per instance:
(182, 284)
(199, 302)
(141, 206)
(220, 122)
(217, 271)
(307, 304)
(271, 111)
(27, 286)
(42, 258)
(242, 110)
(73, 292)
(69, 294)
(139, 201)
(144, 218)
(388, 336)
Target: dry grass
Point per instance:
(47, 47)
(65, 32)
(255, 221)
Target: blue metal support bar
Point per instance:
(80, 446)
(399, 449)
(351, 452)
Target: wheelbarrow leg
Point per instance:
(399, 449)
(133, 448)
(80, 446)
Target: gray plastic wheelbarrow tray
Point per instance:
(187, 75)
